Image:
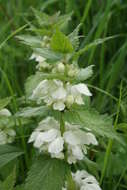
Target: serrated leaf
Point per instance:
(46, 174)
(48, 54)
(47, 3)
(84, 74)
(74, 37)
(32, 112)
(93, 44)
(41, 17)
(91, 119)
(61, 43)
(63, 20)
(4, 102)
(9, 183)
(33, 41)
(8, 153)
(31, 83)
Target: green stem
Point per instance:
(62, 129)
(62, 124)
(110, 143)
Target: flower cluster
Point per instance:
(59, 95)
(7, 134)
(84, 181)
(48, 138)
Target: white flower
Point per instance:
(56, 146)
(52, 92)
(80, 89)
(85, 181)
(77, 91)
(47, 137)
(59, 95)
(5, 112)
(42, 64)
(48, 123)
(37, 58)
(3, 137)
(76, 139)
(7, 135)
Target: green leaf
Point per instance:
(47, 3)
(61, 43)
(74, 37)
(32, 112)
(63, 20)
(9, 183)
(4, 102)
(31, 83)
(91, 119)
(32, 41)
(86, 73)
(48, 54)
(42, 18)
(46, 174)
(93, 44)
(8, 153)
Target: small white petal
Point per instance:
(79, 100)
(38, 58)
(59, 155)
(5, 112)
(83, 89)
(71, 138)
(90, 179)
(59, 94)
(33, 136)
(48, 123)
(77, 152)
(11, 132)
(56, 146)
(92, 139)
(90, 187)
(45, 137)
(3, 138)
(59, 106)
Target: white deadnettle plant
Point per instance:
(59, 87)
(70, 143)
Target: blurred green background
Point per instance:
(100, 18)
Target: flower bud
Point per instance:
(61, 67)
(70, 100)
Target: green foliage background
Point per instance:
(99, 18)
